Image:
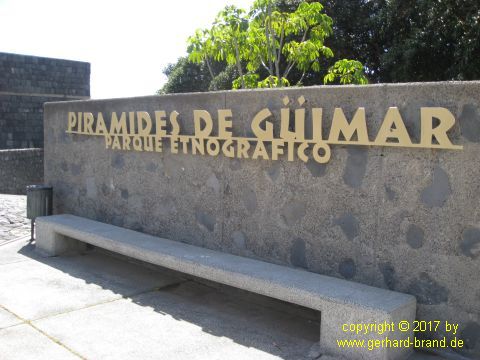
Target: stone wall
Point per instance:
(406, 219)
(26, 83)
(19, 168)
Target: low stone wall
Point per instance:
(19, 168)
(402, 218)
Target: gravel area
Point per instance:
(13, 221)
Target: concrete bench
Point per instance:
(339, 301)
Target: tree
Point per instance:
(409, 40)
(269, 43)
(185, 76)
(230, 34)
(358, 32)
(346, 72)
(201, 49)
(397, 40)
(296, 37)
(430, 40)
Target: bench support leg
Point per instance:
(332, 328)
(50, 243)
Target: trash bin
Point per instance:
(39, 202)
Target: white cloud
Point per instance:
(128, 43)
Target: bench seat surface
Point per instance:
(282, 282)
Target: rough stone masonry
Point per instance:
(399, 218)
(26, 83)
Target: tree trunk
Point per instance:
(211, 72)
(239, 65)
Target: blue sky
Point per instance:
(128, 43)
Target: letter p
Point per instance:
(72, 121)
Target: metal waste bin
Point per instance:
(39, 202)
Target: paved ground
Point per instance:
(97, 306)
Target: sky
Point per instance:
(127, 43)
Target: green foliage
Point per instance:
(346, 72)
(431, 40)
(247, 81)
(396, 40)
(296, 37)
(409, 40)
(230, 32)
(224, 79)
(267, 45)
(273, 81)
(185, 76)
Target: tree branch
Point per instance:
(263, 63)
(210, 71)
(239, 65)
(290, 66)
(267, 35)
(299, 82)
(279, 55)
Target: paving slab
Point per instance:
(7, 319)
(189, 321)
(41, 287)
(15, 251)
(23, 342)
(102, 307)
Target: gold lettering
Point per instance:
(137, 143)
(290, 150)
(79, 117)
(301, 152)
(393, 127)
(88, 122)
(148, 143)
(174, 122)
(144, 123)
(198, 145)
(242, 150)
(131, 121)
(277, 148)
(260, 150)
(126, 142)
(215, 150)
(446, 122)
(202, 115)
(317, 114)
(321, 159)
(184, 140)
(116, 143)
(228, 149)
(341, 125)
(263, 135)
(101, 128)
(72, 121)
(137, 134)
(160, 123)
(108, 141)
(174, 145)
(118, 126)
(158, 144)
(299, 124)
(224, 125)
(285, 124)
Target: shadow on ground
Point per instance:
(281, 329)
